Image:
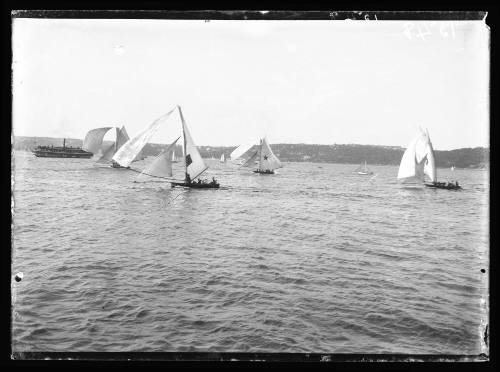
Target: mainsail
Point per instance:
(130, 149)
(93, 139)
(268, 161)
(195, 165)
(240, 150)
(222, 159)
(430, 165)
(250, 161)
(417, 160)
(121, 138)
(162, 164)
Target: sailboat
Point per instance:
(194, 165)
(267, 161)
(222, 158)
(418, 162)
(162, 165)
(94, 139)
(363, 170)
(174, 158)
(452, 168)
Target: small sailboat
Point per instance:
(194, 164)
(174, 158)
(267, 161)
(94, 139)
(452, 168)
(363, 170)
(222, 158)
(418, 162)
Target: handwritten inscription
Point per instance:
(425, 30)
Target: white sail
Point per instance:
(430, 165)
(251, 160)
(162, 164)
(407, 167)
(193, 161)
(240, 150)
(222, 159)
(108, 154)
(173, 156)
(130, 149)
(121, 138)
(268, 161)
(93, 139)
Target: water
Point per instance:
(314, 259)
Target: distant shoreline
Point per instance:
(463, 158)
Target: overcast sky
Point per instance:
(324, 82)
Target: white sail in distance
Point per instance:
(193, 161)
(240, 150)
(222, 159)
(130, 149)
(93, 139)
(162, 164)
(268, 161)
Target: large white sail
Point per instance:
(407, 168)
(430, 164)
(222, 159)
(240, 150)
(93, 139)
(130, 149)
(268, 161)
(162, 164)
(121, 138)
(413, 160)
(194, 163)
(251, 160)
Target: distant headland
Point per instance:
(477, 157)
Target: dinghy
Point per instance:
(363, 170)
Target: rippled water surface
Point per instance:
(313, 259)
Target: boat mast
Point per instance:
(184, 139)
(260, 155)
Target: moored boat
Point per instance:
(363, 170)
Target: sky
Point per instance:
(314, 82)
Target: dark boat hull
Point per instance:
(263, 172)
(194, 185)
(62, 154)
(445, 187)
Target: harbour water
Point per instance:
(313, 259)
